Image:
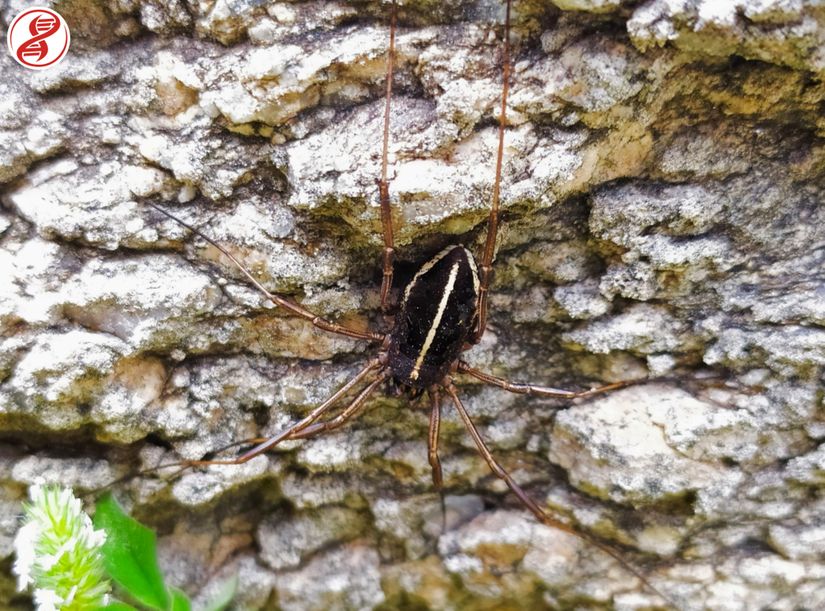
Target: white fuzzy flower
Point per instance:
(24, 544)
(58, 552)
(47, 600)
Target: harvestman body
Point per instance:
(443, 312)
(436, 316)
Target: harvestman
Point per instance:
(443, 313)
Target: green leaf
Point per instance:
(118, 606)
(179, 601)
(129, 555)
(226, 592)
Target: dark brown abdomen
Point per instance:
(437, 314)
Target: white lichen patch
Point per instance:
(216, 168)
(621, 214)
(596, 76)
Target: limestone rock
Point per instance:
(661, 222)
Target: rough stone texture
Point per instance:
(662, 193)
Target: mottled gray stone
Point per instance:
(61, 369)
(662, 188)
(287, 541)
(809, 469)
(10, 522)
(581, 301)
(483, 550)
(786, 32)
(44, 138)
(82, 474)
(612, 446)
(642, 328)
(344, 578)
(684, 210)
(800, 542)
(196, 488)
(255, 584)
(789, 349)
(591, 6)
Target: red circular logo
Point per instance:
(38, 38)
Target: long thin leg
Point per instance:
(295, 429)
(539, 391)
(432, 452)
(499, 471)
(432, 439)
(486, 270)
(264, 444)
(349, 412)
(285, 303)
(383, 183)
(542, 517)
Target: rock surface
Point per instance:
(662, 187)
